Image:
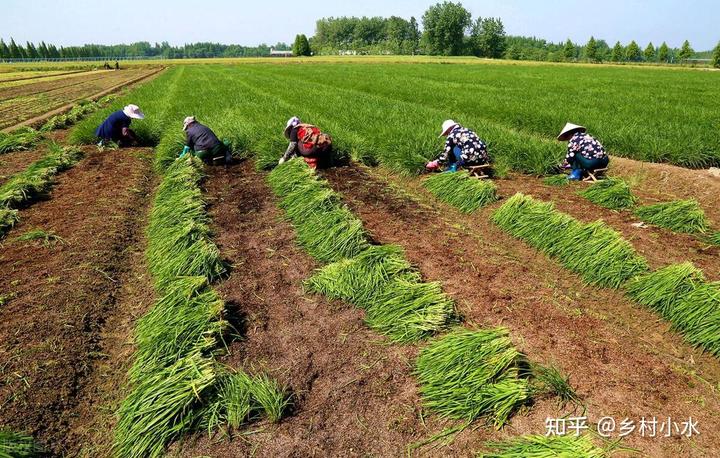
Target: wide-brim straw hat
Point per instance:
(569, 130)
(292, 122)
(447, 126)
(133, 111)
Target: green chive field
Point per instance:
(157, 306)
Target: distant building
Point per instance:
(278, 53)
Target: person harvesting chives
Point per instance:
(203, 143)
(463, 148)
(307, 141)
(116, 127)
(584, 152)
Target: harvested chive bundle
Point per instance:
(472, 374)
(324, 226)
(461, 191)
(16, 445)
(679, 216)
(20, 139)
(595, 251)
(612, 193)
(539, 446)
(681, 295)
(557, 180)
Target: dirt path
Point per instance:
(61, 299)
(354, 395)
(660, 247)
(621, 358)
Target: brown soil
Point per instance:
(60, 357)
(24, 102)
(668, 182)
(622, 358)
(659, 246)
(354, 395)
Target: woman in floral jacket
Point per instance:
(462, 148)
(584, 152)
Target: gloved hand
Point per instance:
(452, 168)
(185, 150)
(281, 161)
(432, 165)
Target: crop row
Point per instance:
(463, 374)
(679, 293)
(27, 186)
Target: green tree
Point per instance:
(649, 53)
(488, 37)
(445, 25)
(633, 53)
(618, 53)
(716, 56)
(686, 51)
(663, 52)
(591, 50)
(301, 47)
(30, 51)
(513, 52)
(15, 51)
(414, 35)
(569, 50)
(4, 50)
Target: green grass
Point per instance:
(461, 191)
(681, 295)
(8, 219)
(596, 252)
(538, 446)
(678, 216)
(20, 139)
(550, 381)
(46, 238)
(715, 238)
(557, 180)
(612, 193)
(467, 375)
(325, 228)
(15, 445)
(76, 113)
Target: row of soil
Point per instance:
(64, 327)
(622, 358)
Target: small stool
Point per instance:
(595, 175)
(480, 171)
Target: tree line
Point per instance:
(12, 50)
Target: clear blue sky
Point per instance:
(74, 22)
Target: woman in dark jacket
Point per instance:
(116, 127)
(203, 142)
(584, 152)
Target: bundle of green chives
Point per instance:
(612, 193)
(461, 191)
(679, 216)
(598, 253)
(538, 446)
(8, 219)
(557, 180)
(472, 374)
(16, 445)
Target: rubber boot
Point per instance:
(576, 175)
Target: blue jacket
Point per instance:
(112, 127)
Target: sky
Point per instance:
(76, 22)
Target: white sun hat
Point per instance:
(292, 122)
(447, 126)
(187, 121)
(133, 111)
(569, 128)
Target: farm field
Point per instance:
(170, 284)
(22, 100)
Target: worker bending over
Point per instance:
(307, 141)
(203, 143)
(463, 148)
(584, 153)
(116, 128)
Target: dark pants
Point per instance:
(129, 139)
(580, 162)
(219, 152)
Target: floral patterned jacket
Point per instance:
(473, 150)
(585, 145)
